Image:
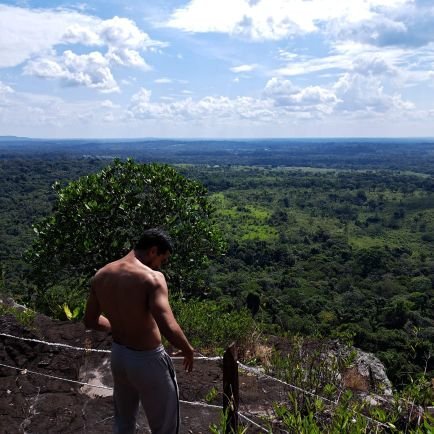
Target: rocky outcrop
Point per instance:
(366, 373)
(40, 390)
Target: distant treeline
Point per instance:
(393, 154)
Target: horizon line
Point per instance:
(12, 137)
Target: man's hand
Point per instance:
(188, 359)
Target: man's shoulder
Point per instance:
(119, 270)
(156, 277)
(108, 268)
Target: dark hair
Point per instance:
(155, 237)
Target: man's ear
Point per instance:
(153, 251)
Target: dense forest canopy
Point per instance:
(340, 250)
(331, 253)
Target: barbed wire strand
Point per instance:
(93, 350)
(281, 430)
(243, 416)
(56, 344)
(195, 403)
(259, 373)
(255, 371)
(299, 389)
(25, 371)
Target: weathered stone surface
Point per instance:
(39, 404)
(356, 378)
(363, 372)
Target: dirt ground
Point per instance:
(31, 403)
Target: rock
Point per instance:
(356, 378)
(366, 374)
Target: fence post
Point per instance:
(230, 388)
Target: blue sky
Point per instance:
(221, 69)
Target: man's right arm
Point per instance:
(92, 315)
(169, 327)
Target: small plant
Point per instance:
(349, 358)
(293, 420)
(329, 390)
(24, 316)
(221, 427)
(76, 313)
(211, 395)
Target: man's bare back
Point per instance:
(124, 289)
(134, 299)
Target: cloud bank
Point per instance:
(33, 36)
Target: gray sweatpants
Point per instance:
(148, 377)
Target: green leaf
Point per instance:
(67, 311)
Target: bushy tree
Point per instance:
(97, 219)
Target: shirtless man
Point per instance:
(133, 296)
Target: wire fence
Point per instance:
(26, 371)
(255, 371)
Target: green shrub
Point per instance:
(307, 368)
(22, 315)
(209, 325)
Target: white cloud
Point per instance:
(312, 95)
(244, 68)
(277, 87)
(127, 57)
(360, 93)
(287, 55)
(352, 95)
(408, 24)
(163, 80)
(125, 41)
(108, 104)
(5, 89)
(220, 108)
(275, 19)
(26, 34)
(402, 67)
(123, 33)
(41, 115)
(81, 34)
(90, 70)
(375, 65)
(280, 100)
(167, 98)
(338, 61)
(354, 99)
(312, 99)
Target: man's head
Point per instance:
(155, 247)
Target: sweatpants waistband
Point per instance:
(142, 353)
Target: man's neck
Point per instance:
(141, 256)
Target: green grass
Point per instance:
(260, 233)
(258, 213)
